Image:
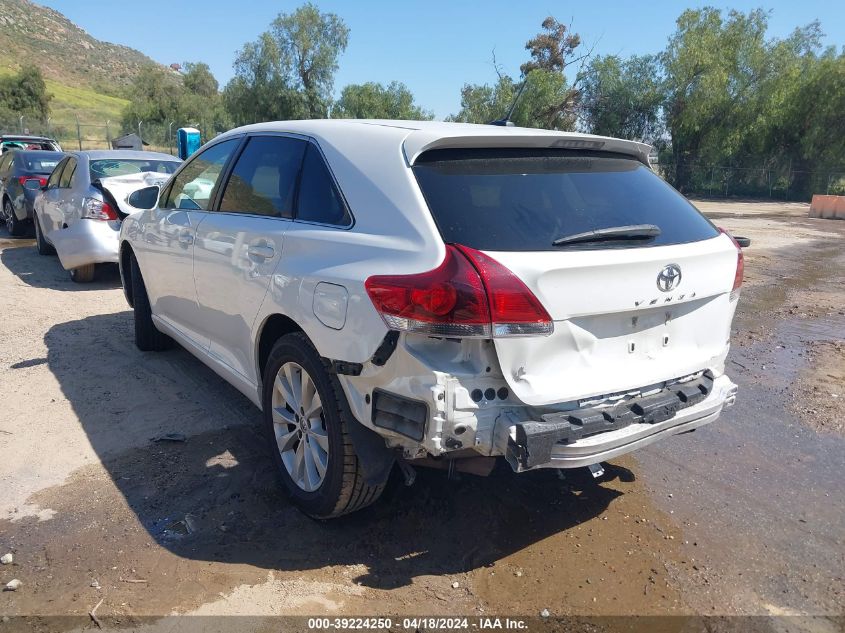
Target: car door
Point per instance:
(239, 244)
(165, 239)
(48, 210)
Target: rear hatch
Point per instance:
(645, 300)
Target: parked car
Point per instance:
(76, 218)
(22, 174)
(26, 141)
(437, 294)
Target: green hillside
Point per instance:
(85, 76)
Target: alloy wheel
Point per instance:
(299, 426)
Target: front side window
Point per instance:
(193, 187)
(319, 200)
(528, 199)
(263, 181)
(67, 174)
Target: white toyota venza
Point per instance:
(398, 293)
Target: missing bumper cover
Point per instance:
(535, 440)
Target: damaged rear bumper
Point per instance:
(587, 436)
(87, 242)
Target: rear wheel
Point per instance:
(40, 243)
(147, 336)
(15, 227)
(306, 417)
(82, 274)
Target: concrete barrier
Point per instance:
(831, 207)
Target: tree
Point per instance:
(311, 43)
(261, 89)
(623, 98)
(288, 72)
(375, 101)
(548, 101)
(197, 79)
(25, 94)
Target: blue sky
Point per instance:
(433, 47)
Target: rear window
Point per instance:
(41, 162)
(523, 200)
(107, 167)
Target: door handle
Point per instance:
(185, 238)
(263, 251)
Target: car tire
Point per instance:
(147, 337)
(15, 227)
(342, 488)
(40, 243)
(83, 274)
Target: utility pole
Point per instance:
(20, 120)
(170, 136)
(139, 134)
(108, 133)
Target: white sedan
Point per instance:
(437, 294)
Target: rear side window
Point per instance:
(523, 200)
(319, 200)
(67, 174)
(193, 187)
(56, 174)
(263, 181)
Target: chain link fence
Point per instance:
(159, 137)
(784, 183)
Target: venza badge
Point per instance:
(669, 278)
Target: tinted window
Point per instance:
(318, 199)
(193, 187)
(523, 200)
(53, 180)
(67, 173)
(264, 178)
(40, 162)
(104, 168)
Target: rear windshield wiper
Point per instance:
(631, 232)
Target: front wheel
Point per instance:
(40, 243)
(147, 336)
(15, 227)
(306, 418)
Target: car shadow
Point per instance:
(208, 491)
(21, 258)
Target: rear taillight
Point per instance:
(740, 262)
(514, 310)
(468, 295)
(42, 182)
(94, 209)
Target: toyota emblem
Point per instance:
(669, 278)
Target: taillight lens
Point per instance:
(447, 301)
(740, 262)
(42, 182)
(94, 209)
(514, 310)
(469, 295)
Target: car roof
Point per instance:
(416, 137)
(24, 137)
(126, 154)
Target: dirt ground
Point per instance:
(745, 516)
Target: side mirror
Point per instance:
(33, 185)
(744, 242)
(146, 198)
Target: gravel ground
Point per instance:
(744, 516)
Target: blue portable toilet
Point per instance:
(187, 141)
